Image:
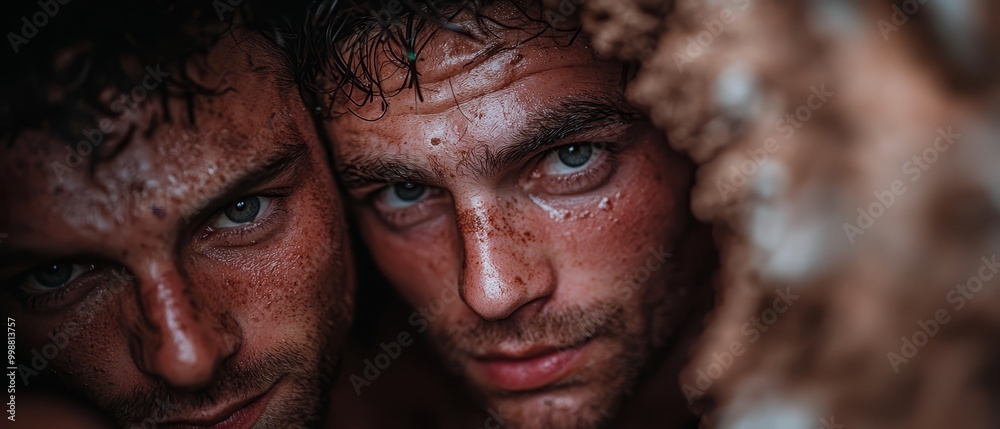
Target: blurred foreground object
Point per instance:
(848, 162)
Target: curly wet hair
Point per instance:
(357, 44)
(66, 60)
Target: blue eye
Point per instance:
(575, 155)
(572, 158)
(53, 276)
(409, 191)
(245, 210)
(403, 194)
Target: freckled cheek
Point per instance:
(279, 291)
(419, 264)
(90, 349)
(612, 246)
(311, 279)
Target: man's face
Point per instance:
(199, 275)
(524, 182)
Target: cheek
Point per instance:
(419, 265)
(282, 290)
(279, 292)
(638, 213)
(87, 347)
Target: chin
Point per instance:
(589, 397)
(586, 406)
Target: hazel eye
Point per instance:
(243, 211)
(405, 194)
(53, 276)
(571, 158)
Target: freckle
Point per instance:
(435, 141)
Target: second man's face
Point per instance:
(198, 276)
(529, 214)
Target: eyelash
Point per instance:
(60, 297)
(400, 218)
(237, 236)
(597, 173)
(99, 273)
(36, 300)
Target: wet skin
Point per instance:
(198, 274)
(525, 183)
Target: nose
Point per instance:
(173, 339)
(503, 272)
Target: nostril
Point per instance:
(186, 358)
(532, 307)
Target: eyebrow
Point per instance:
(366, 172)
(570, 118)
(292, 157)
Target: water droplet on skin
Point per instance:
(554, 213)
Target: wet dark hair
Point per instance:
(357, 44)
(67, 61)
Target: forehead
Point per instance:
(477, 91)
(49, 184)
(453, 67)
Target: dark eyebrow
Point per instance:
(363, 173)
(292, 157)
(568, 119)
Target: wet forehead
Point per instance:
(164, 175)
(484, 104)
(453, 68)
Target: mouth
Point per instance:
(237, 415)
(528, 368)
